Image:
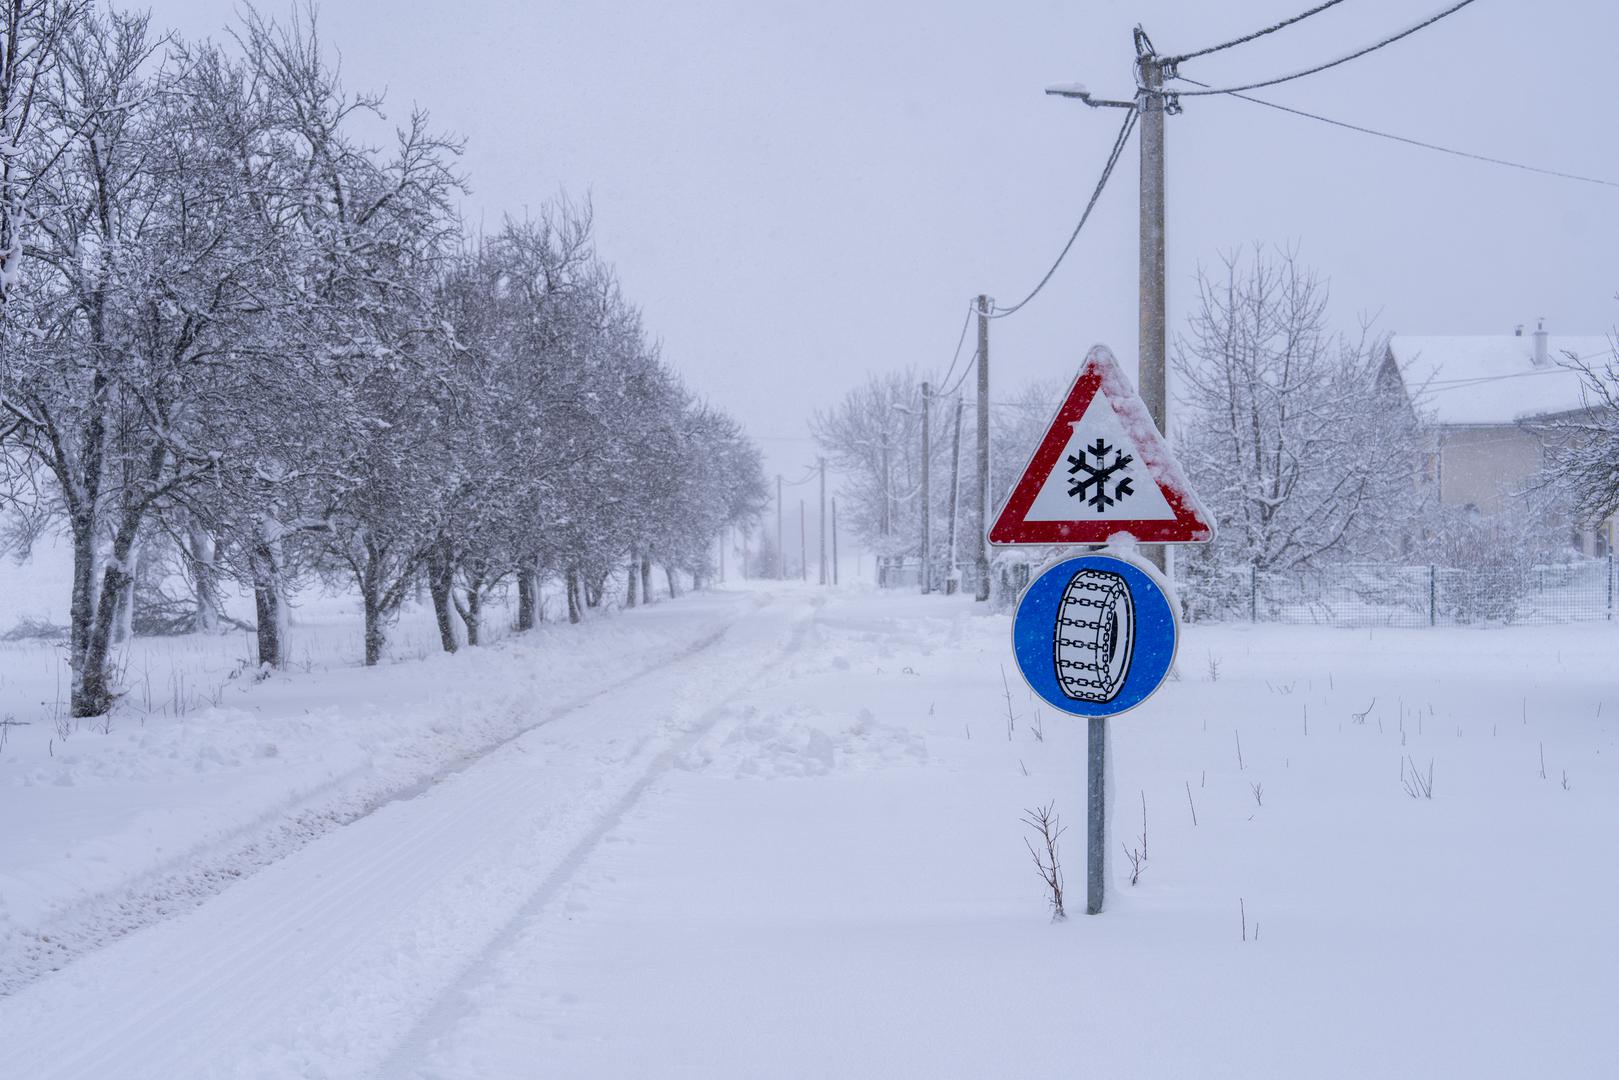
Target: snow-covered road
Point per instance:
(320, 963)
(788, 845)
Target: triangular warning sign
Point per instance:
(1101, 471)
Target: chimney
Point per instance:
(1541, 359)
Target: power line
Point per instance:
(1300, 17)
(1439, 386)
(962, 377)
(1411, 142)
(960, 341)
(1107, 171)
(1407, 32)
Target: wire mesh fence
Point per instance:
(1385, 594)
(1353, 594)
(1007, 579)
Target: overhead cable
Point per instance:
(962, 377)
(1357, 54)
(1113, 159)
(1271, 29)
(1413, 142)
(960, 341)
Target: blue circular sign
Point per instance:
(1094, 635)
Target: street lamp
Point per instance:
(1078, 90)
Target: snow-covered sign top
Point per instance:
(1101, 473)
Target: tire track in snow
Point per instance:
(322, 963)
(413, 1049)
(190, 880)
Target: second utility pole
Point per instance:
(822, 518)
(1150, 363)
(927, 494)
(982, 541)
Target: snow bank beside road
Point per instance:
(126, 826)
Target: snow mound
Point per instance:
(803, 742)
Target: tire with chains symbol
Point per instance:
(1095, 636)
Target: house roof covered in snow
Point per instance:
(1494, 379)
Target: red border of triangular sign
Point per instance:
(1101, 374)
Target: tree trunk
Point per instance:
(630, 583)
(572, 588)
(93, 691)
(473, 613)
(646, 579)
(594, 590)
(123, 627)
(440, 583)
(83, 610)
(526, 589)
(471, 610)
(375, 637)
(267, 605)
(669, 575)
(205, 579)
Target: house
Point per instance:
(1481, 397)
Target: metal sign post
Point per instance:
(1096, 818)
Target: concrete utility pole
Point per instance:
(822, 520)
(882, 521)
(927, 493)
(803, 544)
(834, 539)
(1151, 375)
(981, 543)
(951, 582)
(781, 552)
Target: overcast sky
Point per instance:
(797, 194)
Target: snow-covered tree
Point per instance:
(873, 437)
(1583, 446)
(1287, 435)
(235, 333)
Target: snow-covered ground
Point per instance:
(775, 831)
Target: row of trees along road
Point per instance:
(230, 326)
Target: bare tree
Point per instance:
(1583, 446)
(1289, 437)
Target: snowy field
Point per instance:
(774, 831)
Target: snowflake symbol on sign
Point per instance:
(1082, 475)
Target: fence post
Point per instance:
(1433, 594)
(1253, 593)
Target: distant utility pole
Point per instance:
(822, 521)
(834, 539)
(781, 552)
(1150, 374)
(981, 540)
(723, 531)
(803, 546)
(951, 582)
(927, 493)
(882, 522)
